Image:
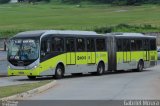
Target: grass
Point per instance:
(20, 17)
(15, 89)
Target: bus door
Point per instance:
(146, 50)
(70, 48)
(91, 55)
(126, 51)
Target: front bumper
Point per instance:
(15, 72)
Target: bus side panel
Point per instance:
(89, 57)
(119, 56)
(130, 61)
(153, 57)
(102, 56)
(48, 67)
(68, 58)
(136, 56)
(93, 58)
(81, 58)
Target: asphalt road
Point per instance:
(111, 86)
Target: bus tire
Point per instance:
(59, 72)
(31, 77)
(100, 69)
(140, 66)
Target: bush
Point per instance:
(104, 29)
(4, 1)
(127, 28)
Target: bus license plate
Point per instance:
(21, 73)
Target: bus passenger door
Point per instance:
(146, 50)
(91, 55)
(126, 51)
(70, 48)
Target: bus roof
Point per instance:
(137, 35)
(38, 33)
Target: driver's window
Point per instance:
(45, 47)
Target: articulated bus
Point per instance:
(58, 53)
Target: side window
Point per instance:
(57, 44)
(70, 45)
(119, 45)
(90, 45)
(100, 45)
(45, 46)
(80, 44)
(139, 45)
(153, 44)
(145, 44)
(126, 45)
(133, 45)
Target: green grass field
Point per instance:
(16, 89)
(20, 17)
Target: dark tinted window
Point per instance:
(45, 46)
(126, 45)
(133, 45)
(90, 45)
(70, 45)
(145, 44)
(100, 45)
(153, 44)
(57, 44)
(119, 45)
(139, 45)
(80, 44)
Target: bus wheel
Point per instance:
(59, 72)
(32, 77)
(100, 69)
(140, 66)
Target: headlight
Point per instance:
(34, 67)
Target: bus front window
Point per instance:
(23, 50)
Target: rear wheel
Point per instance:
(100, 69)
(59, 73)
(32, 77)
(140, 66)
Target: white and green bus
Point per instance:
(58, 53)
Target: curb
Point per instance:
(30, 93)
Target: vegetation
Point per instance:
(15, 89)
(115, 2)
(19, 17)
(127, 28)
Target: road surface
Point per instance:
(111, 86)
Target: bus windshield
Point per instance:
(23, 49)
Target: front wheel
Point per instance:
(100, 69)
(59, 72)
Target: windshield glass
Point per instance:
(26, 49)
